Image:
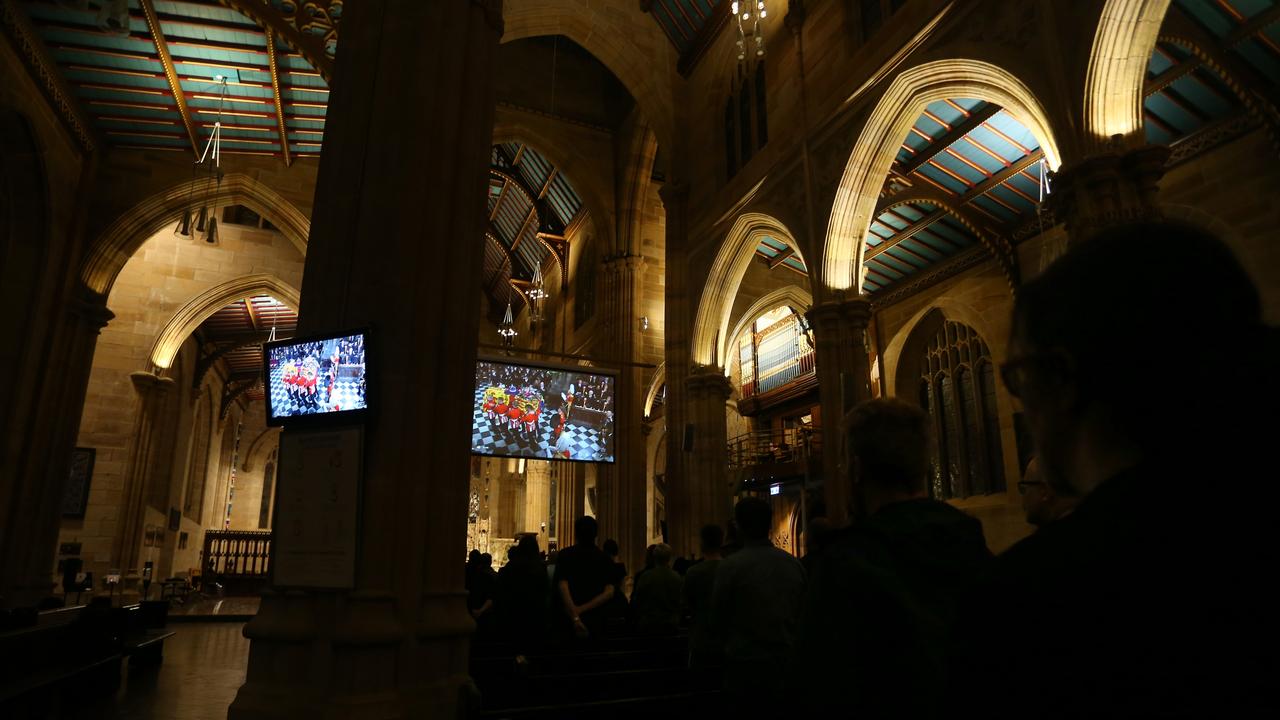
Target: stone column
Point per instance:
(569, 499)
(405, 163)
(537, 498)
(844, 380)
(708, 479)
(37, 468)
(1108, 189)
(682, 525)
(153, 395)
(621, 486)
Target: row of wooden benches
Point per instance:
(76, 653)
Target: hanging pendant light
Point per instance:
(536, 295)
(749, 14)
(507, 328)
(184, 223)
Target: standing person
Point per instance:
(699, 580)
(755, 606)
(523, 596)
(581, 583)
(1042, 503)
(1152, 597)
(615, 611)
(657, 596)
(882, 595)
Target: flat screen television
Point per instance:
(316, 379)
(542, 411)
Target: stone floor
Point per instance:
(204, 666)
(241, 607)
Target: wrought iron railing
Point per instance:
(237, 553)
(774, 446)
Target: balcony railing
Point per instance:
(234, 554)
(766, 447)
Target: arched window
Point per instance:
(268, 490)
(762, 108)
(772, 352)
(957, 387)
(730, 137)
(198, 470)
(744, 122)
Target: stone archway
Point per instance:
(109, 253)
(877, 144)
(655, 385)
(199, 308)
(1122, 47)
(711, 327)
(627, 43)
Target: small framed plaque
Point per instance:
(76, 496)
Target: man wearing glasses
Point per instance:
(1155, 596)
(1042, 503)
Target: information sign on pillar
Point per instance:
(318, 486)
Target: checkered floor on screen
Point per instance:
(494, 438)
(346, 395)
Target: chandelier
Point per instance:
(749, 13)
(537, 293)
(205, 223)
(507, 328)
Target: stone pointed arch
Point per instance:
(196, 311)
(655, 385)
(793, 296)
(1122, 46)
(109, 253)
(923, 324)
(260, 448)
(890, 121)
(628, 43)
(711, 327)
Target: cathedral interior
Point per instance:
(256, 248)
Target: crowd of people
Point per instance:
(1142, 592)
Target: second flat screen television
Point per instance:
(548, 412)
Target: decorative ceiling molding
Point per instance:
(45, 72)
(170, 72)
(310, 27)
(279, 97)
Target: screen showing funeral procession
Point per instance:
(528, 410)
(315, 378)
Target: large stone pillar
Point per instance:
(405, 163)
(153, 397)
(36, 469)
(569, 499)
(621, 486)
(682, 527)
(537, 498)
(1108, 189)
(708, 479)
(844, 380)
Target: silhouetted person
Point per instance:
(817, 537)
(615, 611)
(882, 595)
(656, 597)
(1154, 596)
(480, 597)
(1041, 502)
(699, 581)
(581, 584)
(523, 595)
(755, 606)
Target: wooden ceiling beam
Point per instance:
(279, 97)
(547, 185)
(908, 232)
(506, 182)
(170, 74)
(975, 120)
(1001, 177)
(311, 47)
(519, 155)
(781, 257)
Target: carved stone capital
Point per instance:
(1109, 189)
(149, 384)
(674, 192)
(708, 383)
(90, 309)
(853, 313)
